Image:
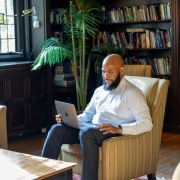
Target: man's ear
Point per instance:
(121, 70)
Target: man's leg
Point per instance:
(90, 140)
(59, 134)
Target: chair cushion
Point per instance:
(147, 85)
(75, 149)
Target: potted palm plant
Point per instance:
(81, 24)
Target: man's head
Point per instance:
(112, 71)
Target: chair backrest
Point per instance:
(138, 70)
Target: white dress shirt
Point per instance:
(126, 106)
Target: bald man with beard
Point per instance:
(117, 107)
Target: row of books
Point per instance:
(136, 38)
(64, 80)
(57, 16)
(160, 66)
(151, 12)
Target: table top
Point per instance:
(18, 166)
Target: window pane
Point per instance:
(3, 30)
(10, 10)
(4, 46)
(11, 31)
(2, 6)
(11, 45)
(7, 30)
(10, 20)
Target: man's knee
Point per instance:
(56, 129)
(85, 134)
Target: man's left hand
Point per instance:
(108, 128)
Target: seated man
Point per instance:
(118, 107)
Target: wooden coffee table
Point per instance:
(16, 166)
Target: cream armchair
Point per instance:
(127, 156)
(3, 128)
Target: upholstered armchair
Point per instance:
(3, 128)
(130, 156)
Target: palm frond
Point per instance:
(52, 54)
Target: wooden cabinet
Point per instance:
(172, 115)
(25, 95)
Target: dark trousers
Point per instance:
(90, 140)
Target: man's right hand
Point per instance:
(58, 119)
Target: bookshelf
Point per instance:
(172, 116)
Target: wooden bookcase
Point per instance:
(172, 115)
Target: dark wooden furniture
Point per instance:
(26, 166)
(26, 95)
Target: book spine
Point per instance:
(167, 38)
(147, 39)
(162, 37)
(124, 39)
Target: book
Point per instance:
(113, 16)
(59, 70)
(159, 43)
(160, 64)
(168, 8)
(57, 78)
(147, 39)
(65, 83)
(167, 38)
(156, 66)
(143, 40)
(63, 75)
(135, 30)
(162, 38)
(118, 39)
(161, 10)
(134, 12)
(123, 36)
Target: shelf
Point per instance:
(148, 49)
(137, 22)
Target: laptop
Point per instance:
(69, 116)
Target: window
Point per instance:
(13, 31)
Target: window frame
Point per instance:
(22, 42)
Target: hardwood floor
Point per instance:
(169, 155)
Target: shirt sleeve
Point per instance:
(89, 111)
(140, 110)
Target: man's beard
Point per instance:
(114, 84)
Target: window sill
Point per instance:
(14, 63)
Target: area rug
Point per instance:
(78, 177)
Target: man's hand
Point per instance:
(58, 119)
(108, 128)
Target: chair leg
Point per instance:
(151, 176)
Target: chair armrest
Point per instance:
(3, 128)
(121, 151)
